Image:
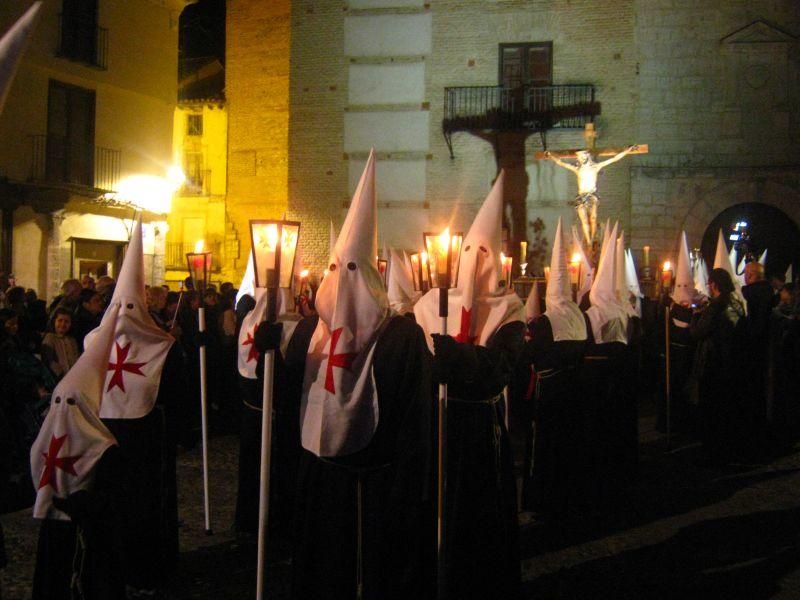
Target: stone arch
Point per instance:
(731, 192)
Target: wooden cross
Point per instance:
(590, 135)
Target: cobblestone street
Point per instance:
(683, 531)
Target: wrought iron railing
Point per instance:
(528, 107)
(176, 254)
(55, 159)
(197, 183)
(81, 40)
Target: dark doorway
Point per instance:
(769, 228)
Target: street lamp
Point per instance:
(443, 251)
(199, 263)
(274, 246)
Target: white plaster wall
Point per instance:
(386, 83)
(386, 131)
(387, 35)
(396, 180)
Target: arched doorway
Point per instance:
(769, 228)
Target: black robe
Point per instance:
(760, 299)
(397, 542)
(87, 548)
(149, 508)
(555, 440)
(285, 451)
(604, 398)
(720, 354)
(481, 510)
(683, 397)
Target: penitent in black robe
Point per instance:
(555, 447)
(86, 552)
(604, 398)
(683, 396)
(149, 508)
(394, 469)
(481, 511)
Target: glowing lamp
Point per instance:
(199, 263)
(383, 265)
(416, 271)
(666, 275)
(274, 246)
(574, 268)
(506, 263)
(443, 252)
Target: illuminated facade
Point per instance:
(87, 136)
(707, 86)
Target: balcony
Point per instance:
(176, 254)
(533, 108)
(57, 160)
(83, 41)
(198, 183)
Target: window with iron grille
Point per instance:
(194, 125)
(81, 38)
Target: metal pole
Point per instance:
(201, 316)
(442, 464)
(266, 446)
(667, 392)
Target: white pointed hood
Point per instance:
(140, 346)
(248, 285)
(620, 277)
(478, 306)
(533, 304)
(700, 275)
(72, 437)
(789, 276)
(684, 292)
(763, 258)
(608, 317)
(339, 407)
(632, 283)
(722, 260)
(566, 319)
(400, 284)
(586, 269)
(12, 47)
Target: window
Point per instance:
(524, 70)
(194, 125)
(193, 169)
(529, 64)
(81, 39)
(70, 134)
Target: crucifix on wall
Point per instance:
(586, 170)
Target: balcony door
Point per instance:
(523, 68)
(70, 134)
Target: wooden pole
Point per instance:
(667, 391)
(263, 488)
(442, 465)
(201, 316)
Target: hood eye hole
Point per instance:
(467, 248)
(482, 249)
(332, 267)
(351, 265)
(70, 401)
(129, 305)
(58, 399)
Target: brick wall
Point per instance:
(257, 90)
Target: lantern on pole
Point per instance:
(274, 246)
(199, 263)
(383, 267)
(417, 270)
(666, 276)
(444, 251)
(506, 263)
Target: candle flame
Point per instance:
(502, 258)
(424, 257)
(325, 272)
(198, 246)
(444, 239)
(576, 257)
(667, 265)
(303, 273)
